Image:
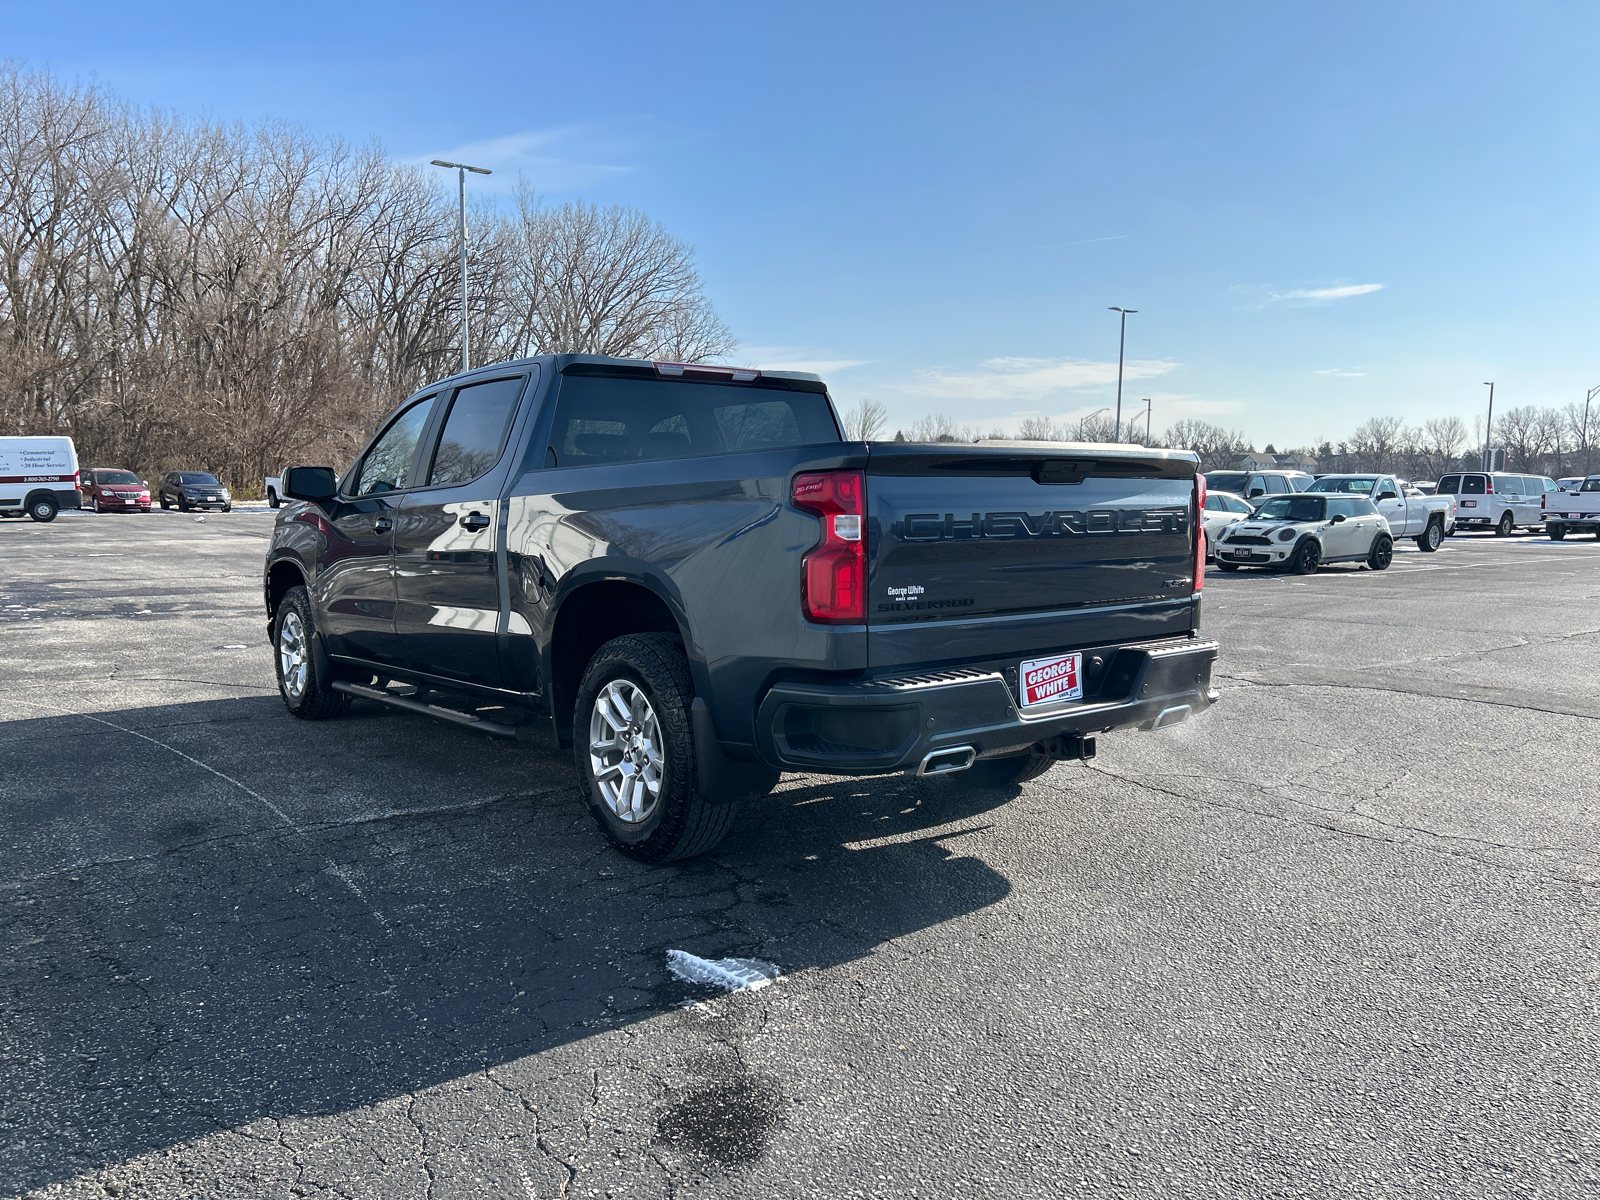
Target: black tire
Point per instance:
(1507, 526)
(272, 499)
(1007, 772)
(305, 693)
(183, 505)
(227, 508)
(162, 500)
(677, 822)
(1307, 557)
(43, 509)
(1556, 532)
(1381, 553)
(1229, 567)
(1432, 537)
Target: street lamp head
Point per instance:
(1114, 308)
(455, 166)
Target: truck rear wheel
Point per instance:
(1556, 531)
(305, 693)
(633, 743)
(1506, 527)
(1432, 537)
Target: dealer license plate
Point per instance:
(1045, 680)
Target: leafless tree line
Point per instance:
(1547, 441)
(186, 293)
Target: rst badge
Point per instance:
(1047, 679)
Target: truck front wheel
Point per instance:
(305, 693)
(633, 742)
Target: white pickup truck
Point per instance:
(1428, 519)
(1575, 511)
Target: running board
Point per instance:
(454, 716)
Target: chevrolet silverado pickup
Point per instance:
(700, 583)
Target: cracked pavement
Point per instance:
(1335, 938)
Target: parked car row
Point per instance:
(1337, 518)
(39, 476)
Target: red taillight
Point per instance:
(1199, 532)
(833, 576)
(1488, 487)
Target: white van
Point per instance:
(38, 476)
(1497, 500)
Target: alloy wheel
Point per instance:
(626, 752)
(292, 659)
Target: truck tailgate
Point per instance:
(1014, 548)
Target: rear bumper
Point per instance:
(892, 724)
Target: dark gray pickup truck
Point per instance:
(702, 584)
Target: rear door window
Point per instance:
(475, 431)
(1278, 484)
(1363, 506)
(601, 419)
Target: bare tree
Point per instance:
(1444, 438)
(1376, 441)
(609, 280)
(866, 421)
(1217, 448)
(186, 293)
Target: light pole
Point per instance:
(1122, 340)
(1488, 427)
(461, 170)
(1149, 410)
(1082, 421)
(1593, 392)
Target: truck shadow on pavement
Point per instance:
(342, 916)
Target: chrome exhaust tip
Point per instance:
(942, 762)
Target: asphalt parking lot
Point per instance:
(1335, 938)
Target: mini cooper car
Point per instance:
(1301, 532)
(193, 489)
(105, 490)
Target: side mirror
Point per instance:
(1254, 492)
(1388, 496)
(1336, 518)
(310, 483)
(146, 482)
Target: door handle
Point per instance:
(382, 525)
(474, 521)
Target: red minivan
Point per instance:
(105, 490)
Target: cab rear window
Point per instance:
(602, 419)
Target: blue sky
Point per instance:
(1323, 212)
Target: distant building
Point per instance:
(1293, 461)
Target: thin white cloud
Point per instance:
(1260, 295)
(1330, 293)
(795, 358)
(1340, 373)
(1027, 380)
(561, 159)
